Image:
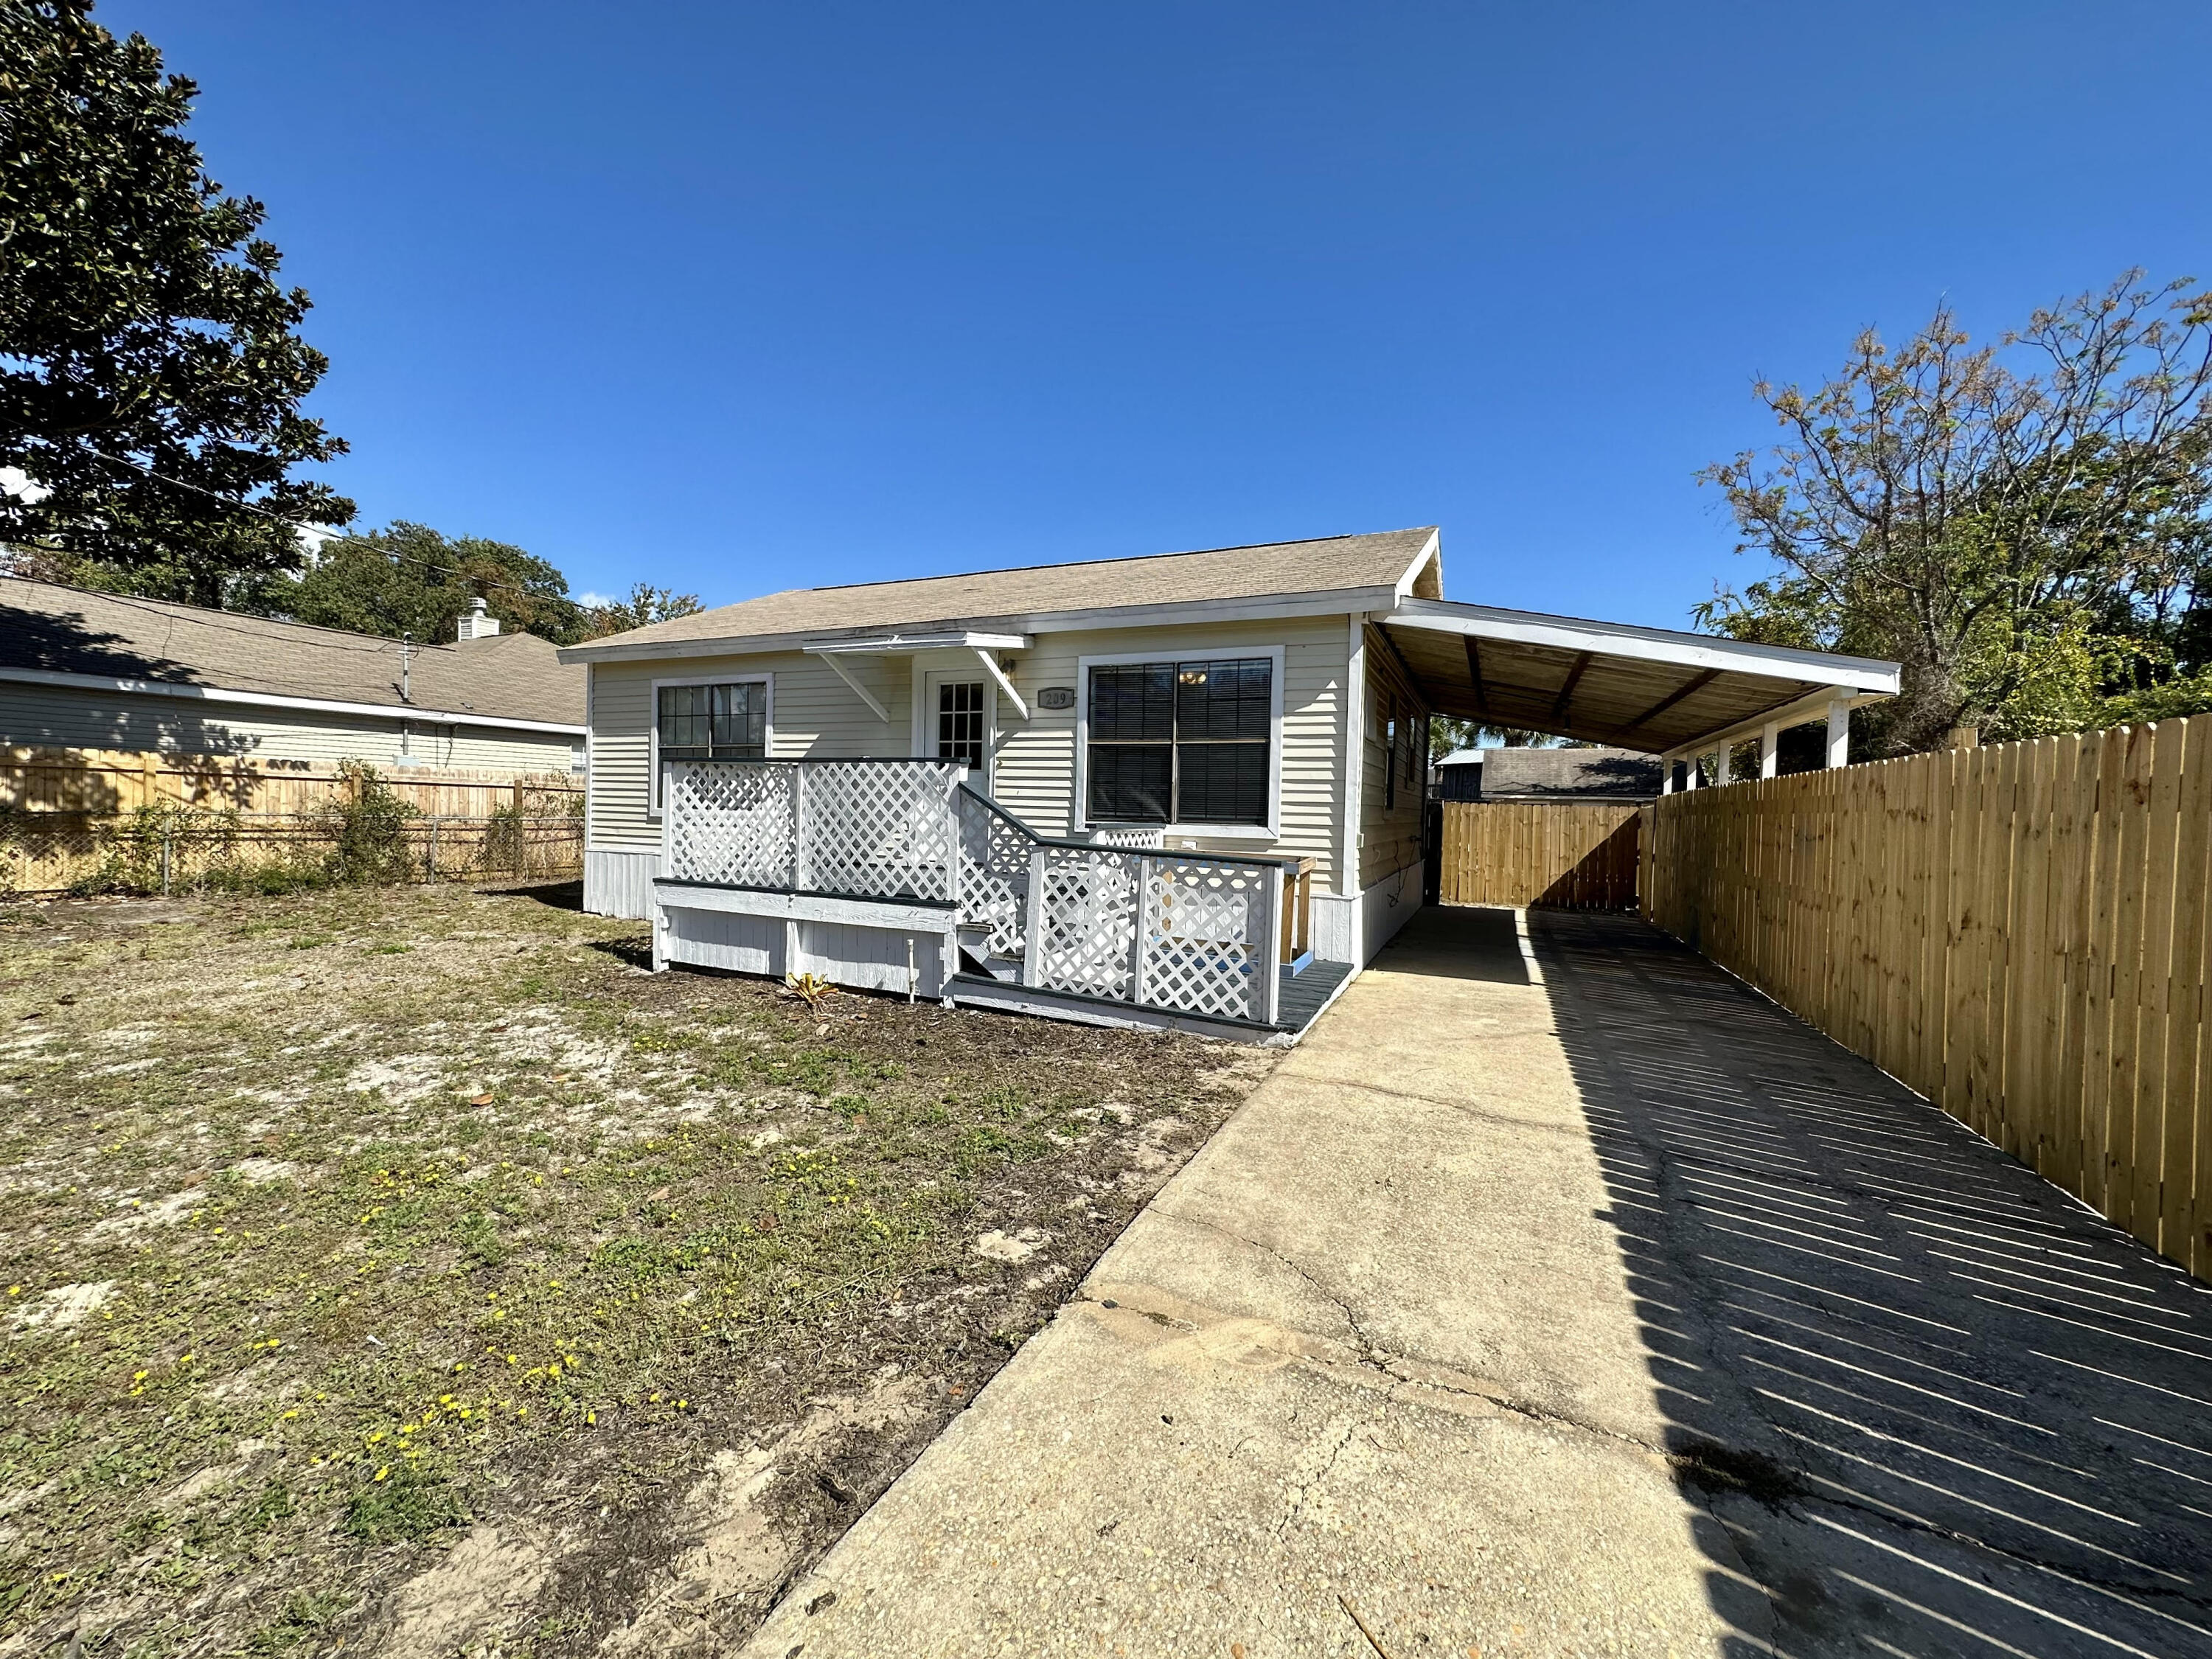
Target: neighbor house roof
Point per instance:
(73, 635)
(1381, 564)
(1569, 774)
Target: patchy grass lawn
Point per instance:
(409, 1270)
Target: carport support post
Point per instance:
(1769, 750)
(1666, 775)
(1725, 764)
(1839, 733)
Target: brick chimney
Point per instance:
(475, 625)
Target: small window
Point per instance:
(714, 722)
(960, 722)
(1181, 742)
(1390, 758)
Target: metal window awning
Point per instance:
(1612, 683)
(884, 645)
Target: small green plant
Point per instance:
(366, 824)
(404, 1503)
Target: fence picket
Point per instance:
(2023, 932)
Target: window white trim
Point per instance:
(653, 725)
(1079, 822)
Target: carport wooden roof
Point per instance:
(1640, 688)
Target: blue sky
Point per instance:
(733, 298)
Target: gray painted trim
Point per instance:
(974, 991)
(915, 918)
(271, 700)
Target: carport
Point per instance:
(1682, 696)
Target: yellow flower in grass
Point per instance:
(382, 1470)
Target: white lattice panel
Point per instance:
(878, 830)
(1207, 937)
(730, 821)
(1089, 922)
(995, 875)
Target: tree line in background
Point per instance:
(151, 377)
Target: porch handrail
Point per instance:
(1193, 932)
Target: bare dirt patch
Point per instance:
(410, 1269)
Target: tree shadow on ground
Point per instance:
(1923, 1402)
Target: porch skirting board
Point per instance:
(1353, 929)
(619, 883)
(862, 943)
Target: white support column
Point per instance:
(1667, 774)
(1724, 763)
(1769, 750)
(1839, 733)
(1690, 771)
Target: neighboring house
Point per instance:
(85, 669)
(1458, 775)
(1582, 774)
(1263, 706)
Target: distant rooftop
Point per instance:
(75, 630)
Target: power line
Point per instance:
(313, 531)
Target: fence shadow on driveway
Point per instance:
(1931, 1404)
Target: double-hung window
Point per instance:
(1181, 742)
(711, 722)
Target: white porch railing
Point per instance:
(855, 828)
(1188, 932)
(1185, 932)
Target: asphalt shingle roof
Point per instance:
(76, 631)
(1223, 573)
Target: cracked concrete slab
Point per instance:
(1614, 1313)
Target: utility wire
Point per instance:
(297, 526)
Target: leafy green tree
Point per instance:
(409, 580)
(645, 605)
(141, 318)
(2026, 526)
(1449, 735)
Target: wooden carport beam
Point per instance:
(1696, 684)
(1475, 673)
(1574, 678)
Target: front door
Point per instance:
(956, 721)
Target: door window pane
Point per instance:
(960, 722)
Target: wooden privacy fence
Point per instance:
(2019, 932)
(113, 780)
(107, 821)
(1579, 855)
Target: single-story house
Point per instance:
(1022, 788)
(1595, 774)
(87, 670)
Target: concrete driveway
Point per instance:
(1614, 1313)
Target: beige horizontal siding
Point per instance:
(73, 717)
(1390, 835)
(816, 715)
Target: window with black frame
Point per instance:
(1181, 742)
(714, 722)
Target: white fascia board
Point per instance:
(1799, 711)
(1646, 644)
(271, 700)
(891, 644)
(1175, 613)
